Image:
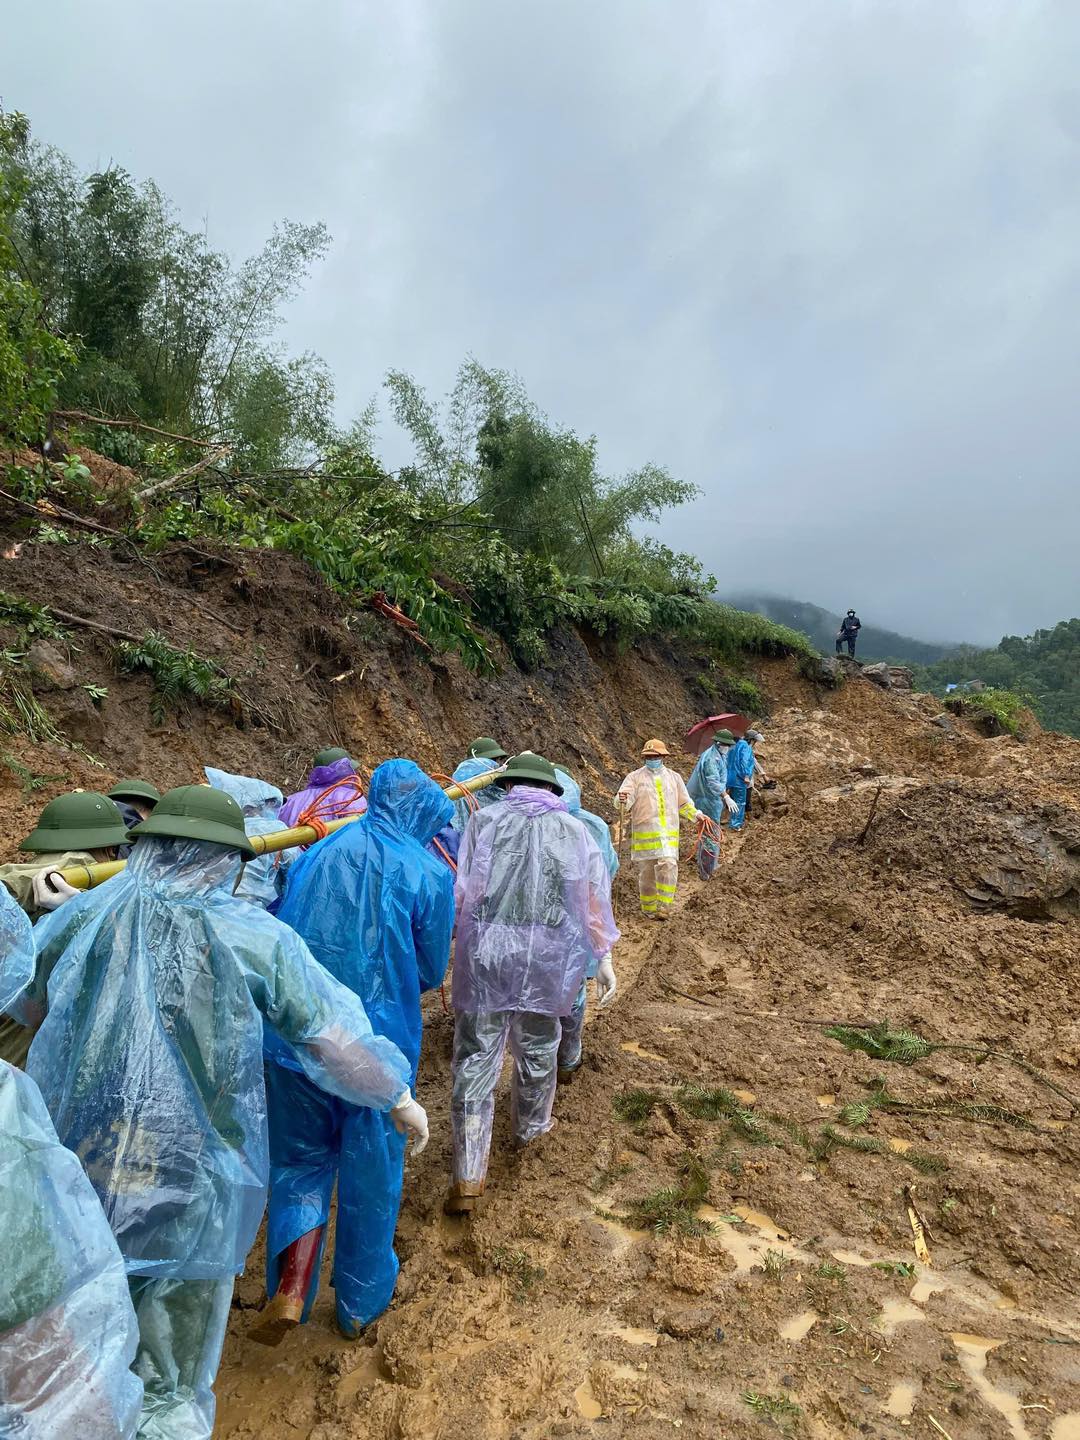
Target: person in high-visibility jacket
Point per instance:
(656, 800)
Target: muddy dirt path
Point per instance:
(740, 1257)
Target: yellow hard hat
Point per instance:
(655, 747)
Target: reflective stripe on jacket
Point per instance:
(657, 800)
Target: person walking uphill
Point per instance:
(848, 633)
(485, 754)
(377, 908)
(332, 791)
(82, 828)
(708, 787)
(154, 989)
(67, 1329)
(534, 910)
(740, 776)
(656, 799)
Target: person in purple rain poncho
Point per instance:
(534, 912)
(332, 791)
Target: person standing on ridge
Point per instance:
(848, 632)
(377, 909)
(534, 911)
(656, 799)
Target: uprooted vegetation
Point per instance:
(154, 351)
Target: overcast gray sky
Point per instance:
(820, 256)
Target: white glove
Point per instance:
(730, 803)
(606, 984)
(51, 890)
(410, 1118)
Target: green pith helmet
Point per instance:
(83, 820)
(135, 790)
(485, 748)
(723, 737)
(198, 812)
(329, 756)
(528, 766)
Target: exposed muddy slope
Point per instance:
(800, 1301)
(305, 678)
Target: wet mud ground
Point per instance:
(668, 1261)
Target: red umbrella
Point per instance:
(700, 736)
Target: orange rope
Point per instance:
(472, 804)
(321, 808)
(708, 829)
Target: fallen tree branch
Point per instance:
(212, 457)
(87, 624)
(87, 418)
(870, 818)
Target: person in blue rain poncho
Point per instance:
(67, 1329)
(263, 879)
(740, 776)
(484, 754)
(602, 972)
(708, 787)
(154, 988)
(377, 908)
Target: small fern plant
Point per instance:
(178, 675)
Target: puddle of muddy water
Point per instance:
(897, 1312)
(633, 1047)
(899, 1146)
(633, 1336)
(588, 1405)
(746, 1096)
(1066, 1427)
(799, 1326)
(747, 1250)
(825, 1101)
(901, 1401)
(972, 1351)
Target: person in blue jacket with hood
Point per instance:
(740, 776)
(377, 909)
(484, 754)
(709, 787)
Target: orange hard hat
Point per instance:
(655, 747)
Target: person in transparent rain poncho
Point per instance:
(534, 911)
(377, 909)
(262, 880)
(67, 1329)
(333, 790)
(602, 970)
(154, 989)
(484, 755)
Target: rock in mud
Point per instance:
(50, 667)
(688, 1321)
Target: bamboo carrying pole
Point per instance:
(85, 877)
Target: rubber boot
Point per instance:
(285, 1311)
(462, 1196)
